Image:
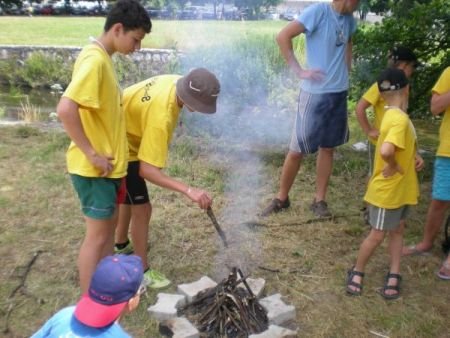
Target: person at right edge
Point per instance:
(440, 199)
(321, 120)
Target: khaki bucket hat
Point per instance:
(199, 90)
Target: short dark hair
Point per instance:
(131, 14)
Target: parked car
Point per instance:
(189, 13)
(208, 15)
(289, 15)
(13, 9)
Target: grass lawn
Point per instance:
(40, 214)
(74, 31)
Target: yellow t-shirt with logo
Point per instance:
(95, 89)
(151, 112)
(441, 87)
(372, 95)
(400, 189)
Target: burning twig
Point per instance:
(219, 230)
(227, 310)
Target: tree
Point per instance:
(8, 3)
(424, 27)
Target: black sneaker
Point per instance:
(320, 209)
(276, 205)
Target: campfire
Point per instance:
(228, 310)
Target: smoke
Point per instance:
(256, 109)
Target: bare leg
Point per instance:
(395, 252)
(97, 241)
(108, 248)
(140, 219)
(123, 223)
(435, 218)
(324, 166)
(290, 169)
(366, 250)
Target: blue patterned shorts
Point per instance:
(321, 121)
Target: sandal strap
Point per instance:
(356, 285)
(352, 272)
(392, 287)
(394, 275)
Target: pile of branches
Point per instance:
(227, 310)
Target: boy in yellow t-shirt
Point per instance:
(401, 58)
(91, 113)
(152, 109)
(440, 102)
(393, 186)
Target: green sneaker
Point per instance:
(128, 250)
(155, 280)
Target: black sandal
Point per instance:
(350, 274)
(396, 287)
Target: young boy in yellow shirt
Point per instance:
(393, 186)
(401, 58)
(152, 108)
(91, 113)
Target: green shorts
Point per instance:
(98, 195)
(387, 219)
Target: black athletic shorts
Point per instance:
(137, 192)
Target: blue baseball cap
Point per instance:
(115, 281)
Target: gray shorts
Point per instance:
(387, 219)
(321, 121)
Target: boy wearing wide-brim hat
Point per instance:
(152, 109)
(114, 290)
(393, 186)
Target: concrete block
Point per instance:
(278, 312)
(178, 327)
(166, 306)
(257, 285)
(275, 331)
(190, 290)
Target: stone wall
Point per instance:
(149, 61)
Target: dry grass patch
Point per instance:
(302, 258)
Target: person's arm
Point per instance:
(69, 115)
(284, 40)
(419, 163)
(156, 176)
(361, 116)
(387, 152)
(349, 55)
(439, 102)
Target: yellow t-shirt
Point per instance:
(95, 88)
(398, 190)
(151, 111)
(441, 87)
(372, 95)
